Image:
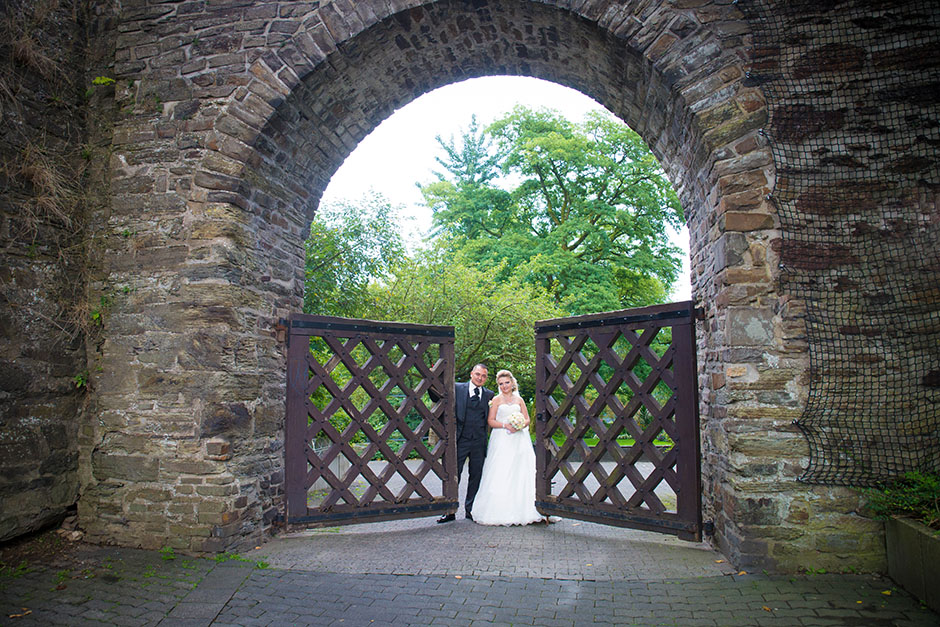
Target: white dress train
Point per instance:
(507, 487)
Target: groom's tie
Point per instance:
(475, 399)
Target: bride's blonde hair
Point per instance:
(506, 374)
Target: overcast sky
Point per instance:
(400, 152)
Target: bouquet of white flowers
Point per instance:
(516, 420)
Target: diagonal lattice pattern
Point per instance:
(361, 418)
(618, 430)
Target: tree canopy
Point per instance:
(584, 216)
(534, 217)
(350, 245)
(493, 319)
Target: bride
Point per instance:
(507, 487)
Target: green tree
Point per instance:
(350, 244)
(466, 201)
(493, 318)
(585, 216)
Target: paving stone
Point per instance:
(278, 596)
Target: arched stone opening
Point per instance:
(217, 173)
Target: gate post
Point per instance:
(685, 368)
(295, 427)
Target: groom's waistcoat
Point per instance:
(471, 419)
(474, 423)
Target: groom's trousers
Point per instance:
(475, 451)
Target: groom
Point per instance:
(472, 407)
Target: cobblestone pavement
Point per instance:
(416, 572)
(568, 549)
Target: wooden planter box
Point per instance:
(914, 559)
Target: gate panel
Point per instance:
(364, 441)
(617, 419)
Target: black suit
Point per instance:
(471, 436)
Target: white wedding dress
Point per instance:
(507, 487)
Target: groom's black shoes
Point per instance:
(447, 518)
(469, 517)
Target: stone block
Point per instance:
(181, 509)
(218, 449)
(220, 480)
(818, 256)
(746, 221)
(139, 184)
(769, 379)
(742, 182)
(212, 180)
(733, 130)
(269, 419)
(124, 467)
(750, 326)
(848, 535)
(830, 58)
(210, 518)
(760, 445)
(229, 525)
(175, 467)
(742, 202)
(217, 490)
(729, 250)
(738, 276)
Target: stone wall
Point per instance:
(231, 116)
(42, 352)
(858, 203)
(236, 116)
(857, 258)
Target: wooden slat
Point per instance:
(560, 393)
(394, 355)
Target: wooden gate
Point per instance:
(617, 419)
(364, 440)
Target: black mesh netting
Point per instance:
(853, 89)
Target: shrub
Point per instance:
(914, 495)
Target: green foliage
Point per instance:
(81, 379)
(102, 80)
(96, 314)
(349, 245)
(235, 557)
(586, 220)
(581, 229)
(493, 318)
(14, 572)
(913, 494)
(167, 553)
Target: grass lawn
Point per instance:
(628, 442)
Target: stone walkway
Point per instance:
(416, 572)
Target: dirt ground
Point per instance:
(45, 548)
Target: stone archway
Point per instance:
(235, 117)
